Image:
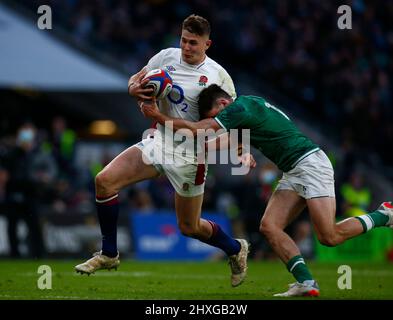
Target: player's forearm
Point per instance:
(219, 143)
(224, 142)
(175, 123)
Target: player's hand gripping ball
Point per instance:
(160, 81)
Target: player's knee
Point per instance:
(188, 230)
(328, 240)
(101, 179)
(266, 228)
(104, 183)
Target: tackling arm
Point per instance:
(151, 110)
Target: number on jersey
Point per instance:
(268, 105)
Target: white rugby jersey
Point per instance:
(188, 82)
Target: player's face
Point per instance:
(193, 47)
(213, 112)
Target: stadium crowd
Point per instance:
(341, 76)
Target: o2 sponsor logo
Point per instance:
(176, 96)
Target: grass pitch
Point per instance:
(137, 280)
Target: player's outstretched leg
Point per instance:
(98, 262)
(383, 216)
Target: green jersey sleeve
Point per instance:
(233, 116)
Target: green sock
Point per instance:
(298, 268)
(372, 220)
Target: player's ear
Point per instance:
(208, 44)
(222, 102)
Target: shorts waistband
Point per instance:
(305, 156)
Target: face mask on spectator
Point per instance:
(268, 176)
(25, 136)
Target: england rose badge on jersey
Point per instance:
(170, 68)
(202, 81)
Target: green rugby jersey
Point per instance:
(271, 131)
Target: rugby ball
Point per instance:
(160, 81)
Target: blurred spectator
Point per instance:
(161, 192)
(62, 196)
(31, 174)
(140, 200)
(253, 193)
(302, 235)
(227, 204)
(268, 178)
(355, 195)
(62, 142)
(4, 177)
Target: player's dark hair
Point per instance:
(196, 25)
(208, 97)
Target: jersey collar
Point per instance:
(195, 66)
